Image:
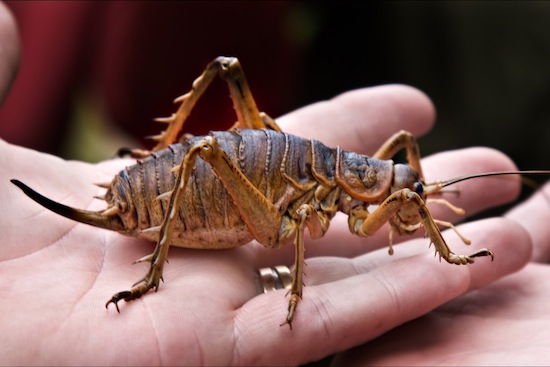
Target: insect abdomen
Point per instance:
(283, 167)
(207, 214)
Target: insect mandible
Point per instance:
(257, 182)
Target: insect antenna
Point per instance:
(435, 187)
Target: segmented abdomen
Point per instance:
(207, 214)
(287, 169)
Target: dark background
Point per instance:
(486, 65)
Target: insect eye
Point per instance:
(418, 188)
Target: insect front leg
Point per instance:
(405, 140)
(363, 223)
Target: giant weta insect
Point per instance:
(257, 182)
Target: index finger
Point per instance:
(533, 215)
(373, 114)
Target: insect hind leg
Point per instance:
(160, 255)
(230, 70)
(260, 216)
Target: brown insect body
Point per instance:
(288, 170)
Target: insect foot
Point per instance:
(469, 259)
(291, 309)
(151, 281)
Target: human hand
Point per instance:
(56, 275)
(504, 323)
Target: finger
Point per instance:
(353, 310)
(477, 194)
(361, 120)
(460, 329)
(322, 270)
(534, 215)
